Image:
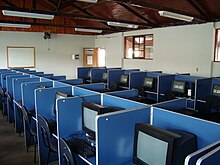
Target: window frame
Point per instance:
(217, 32)
(133, 47)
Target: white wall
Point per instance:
(176, 49)
(113, 45)
(52, 56)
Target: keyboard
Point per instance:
(82, 147)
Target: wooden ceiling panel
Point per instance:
(70, 13)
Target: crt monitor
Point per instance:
(155, 146)
(148, 82)
(104, 76)
(178, 86)
(124, 80)
(216, 90)
(89, 112)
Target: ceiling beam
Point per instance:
(52, 3)
(88, 13)
(199, 9)
(9, 4)
(130, 9)
(151, 6)
(76, 16)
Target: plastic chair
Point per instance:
(66, 153)
(46, 135)
(169, 95)
(31, 130)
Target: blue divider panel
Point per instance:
(60, 84)
(77, 91)
(187, 78)
(124, 103)
(173, 104)
(72, 81)
(45, 100)
(137, 79)
(95, 86)
(44, 79)
(83, 71)
(3, 78)
(211, 158)
(58, 77)
(203, 88)
(96, 74)
(164, 83)
(115, 135)
(3, 72)
(128, 71)
(9, 81)
(69, 116)
(125, 93)
(36, 73)
(192, 158)
(114, 76)
(28, 99)
(206, 132)
(17, 97)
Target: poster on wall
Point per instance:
(89, 60)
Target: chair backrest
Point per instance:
(169, 95)
(44, 130)
(9, 96)
(141, 91)
(26, 117)
(66, 154)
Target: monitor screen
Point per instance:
(105, 76)
(159, 142)
(148, 82)
(89, 112)
(216, 90)
(124, 79)
(178, 86)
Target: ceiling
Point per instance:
(71, 14)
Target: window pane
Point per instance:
(217, 49)
(128, 47)
(149, 46)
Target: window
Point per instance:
(139, 47)
(217, 46)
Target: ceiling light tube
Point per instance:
(88, 30)
(126, 25)
(15, 25)
(27, 14)
(89, 1)
(175, 16)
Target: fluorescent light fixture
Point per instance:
(27, 14)
(88, 30)
(15, 25)
(123, 25)
(175, 16)
(89, 1)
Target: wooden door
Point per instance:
(90, 57)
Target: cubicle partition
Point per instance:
(17, 99)
(94, 87)
(204, 90)
(72, 81)
(9, 89)
(45, 106)
(63, 77)
(207, 132)
(111, 127)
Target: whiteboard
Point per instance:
(20, 57)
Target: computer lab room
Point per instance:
(109, 82)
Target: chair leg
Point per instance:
(48, 156)
(35, 146)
